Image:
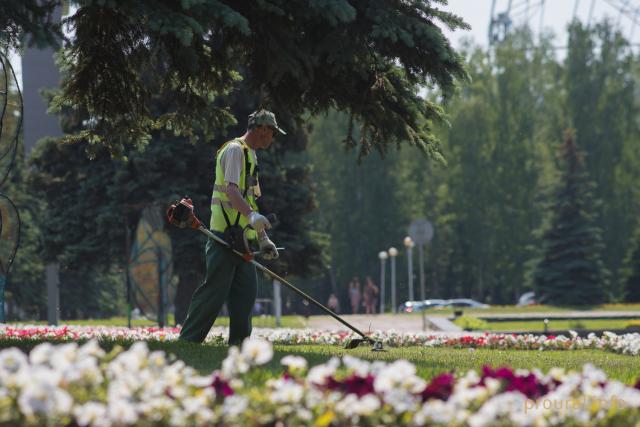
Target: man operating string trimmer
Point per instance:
(231, 269)
(233, 208)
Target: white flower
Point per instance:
(157, 360)
(86, 370)
(177, 372)
(121, 412)
(437, 412)
(286, 392)
(257, 351)
(41, 399)
(357, 366)
(593, 374)
(464, 397)
(499, 407)
(319, 374)
(91, 413)
(41, 354)
(352, 405)
(234, 405)
(11, 361)
(492, 385)
(63, 356)
(294, 363)
(401, 400)
(90, 349)
(314, 397)
(196, 380)
(43, 376)
(234, 364)
(400, 373)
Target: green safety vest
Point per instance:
(220, 204)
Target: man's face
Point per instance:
(265, 136)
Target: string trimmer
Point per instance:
(181, 215)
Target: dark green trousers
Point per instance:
(229, 279)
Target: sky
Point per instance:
(555, 16)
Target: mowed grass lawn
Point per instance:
(296, 322)
(429, 361)
(561, 325)
(537, 309)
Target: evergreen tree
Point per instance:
(363, 57)
(630, 274)
(496, 152)
(602, 103)
(85, 229)
(571, 271)
(30, 21)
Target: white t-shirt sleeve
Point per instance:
(232, 161)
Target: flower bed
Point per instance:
(80, 384)
(624, 344)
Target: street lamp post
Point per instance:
(383, 257)
(409, 244)
(393, 253)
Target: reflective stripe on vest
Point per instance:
(223, 189)
(219, 198)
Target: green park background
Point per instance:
(540, 169)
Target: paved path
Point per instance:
(441, 323)
(385, 322)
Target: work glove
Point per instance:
(267, 248)
(258, 222)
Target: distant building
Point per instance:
(38, 72)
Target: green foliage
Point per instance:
(470, 323)
(630, 274)
(25, 292)
(92, 202)
(357, 202)
(488, 203)
(571, 271)
(601, 81)
(365, 58)
(30, 21)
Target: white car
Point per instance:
(528, 298)
(465, 302)
(414, 306)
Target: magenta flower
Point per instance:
(525, 384)
(440, 387)
(221, 386)
(354, 384)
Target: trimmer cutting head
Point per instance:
(355, 342)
